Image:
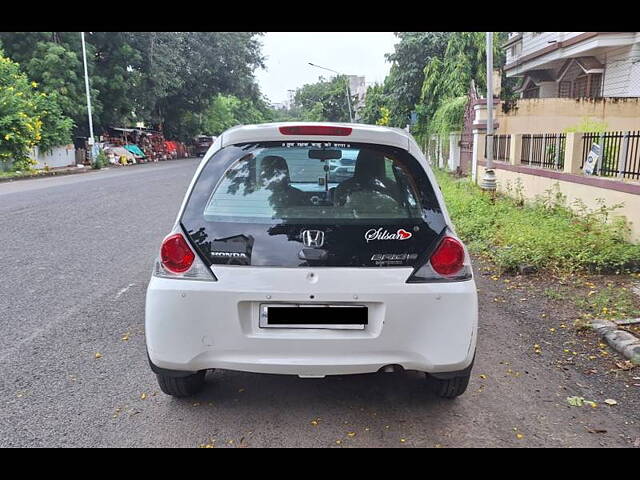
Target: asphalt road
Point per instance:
(77, 253)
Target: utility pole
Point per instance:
(86, 85)
(489, 178)
(347, 85)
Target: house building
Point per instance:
(574, 64)
(579, 102)
(358, 89)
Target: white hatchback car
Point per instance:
(274, 267)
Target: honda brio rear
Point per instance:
(281, 261)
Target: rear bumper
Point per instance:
(193, 325)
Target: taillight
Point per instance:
(176, 255)
(448, 259)
(316, 130)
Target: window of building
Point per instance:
(564, 89)
(596, 84)
(516, 49)
(531, 92)
(580, 87)
(587, 86)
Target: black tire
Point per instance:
(449, 387)
(181, 386)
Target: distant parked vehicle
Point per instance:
(338, 174)
(203, 142)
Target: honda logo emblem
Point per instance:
(313, 238)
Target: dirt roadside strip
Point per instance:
(71, 171)
(51, 173)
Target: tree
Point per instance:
(28, 117)
(375, 100)
(115, 78)
(447, 80)
(20, 123)
(324, 101)
(54, 61)
(165, 79)
(56, 127)
(214, 62)
(404, 82)
(226, 111)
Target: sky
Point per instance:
(352, 53)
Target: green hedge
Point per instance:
(545, 234)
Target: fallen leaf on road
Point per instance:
(483, 376)
(610, 401)
(98, 355)
(143, 396)
(519, 436)
(576, 401)
(627, 365)
(351, 434)
(595, 430)
(580, 401)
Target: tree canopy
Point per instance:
(404, 82)
(431, 73)
(324, 101)
(161, 78)
(28, 117)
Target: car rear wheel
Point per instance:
(449, 387)
(181, 386)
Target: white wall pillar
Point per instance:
(454, 151)
(474, 157)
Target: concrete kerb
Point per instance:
(623, 342)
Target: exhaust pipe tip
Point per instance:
(392, 368)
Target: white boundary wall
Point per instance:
(62, 156)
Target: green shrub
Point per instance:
(20, 123)
(28, 118)
(545, 235)
(100, 161)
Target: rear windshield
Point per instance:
(324, 182)
(308, 203)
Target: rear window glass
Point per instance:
(330, 182)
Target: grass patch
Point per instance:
(609, 302)
(546, 234)
(553, 294)
(18, 174)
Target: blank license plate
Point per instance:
(351, 317)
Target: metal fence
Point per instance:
(501, 147)
(620, 153)
(544, 150)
